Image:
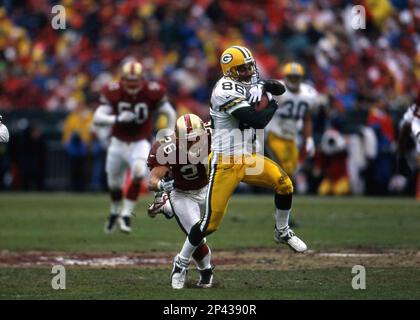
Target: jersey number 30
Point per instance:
(290, 110)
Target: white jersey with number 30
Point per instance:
(287, 120)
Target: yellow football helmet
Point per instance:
(131, 77)
(235, 58)
(293, 73)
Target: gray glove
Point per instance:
(126, 116)
(167, 185)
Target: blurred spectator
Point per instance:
(334, 163)
(180, 41)
(77, 137)
(28, 154)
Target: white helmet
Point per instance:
(131, 77)
(189, 126)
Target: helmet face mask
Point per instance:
(244, 72)
(132, 77)
(293, 73)
(132, 87)
(293, 82)
(238, 64)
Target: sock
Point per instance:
(282, 218)
(283, 208)
(115, 207)
(202, 257)
(128, 207)
(116, 198)
(133, 191)
(187, 249)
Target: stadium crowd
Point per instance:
(367, 77)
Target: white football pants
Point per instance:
(122, 155)
(188, 206)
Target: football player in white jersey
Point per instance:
(230, 163)
(410, 125)
(293, 115)
(4, 133)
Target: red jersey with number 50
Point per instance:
(187, 176)
(143, 104)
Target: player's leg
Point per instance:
(115, 168)
(270, 175)
(341, 187)
(137, 158)
(187, 213)
(223, 180)
(285, 152)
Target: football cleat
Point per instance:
(206, 278)
(125, 224)
(162, 205)
(288, 237)
(111, 223)
(179, 272)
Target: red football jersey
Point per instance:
(187, 176)
(143, 104)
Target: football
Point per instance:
(263, 103)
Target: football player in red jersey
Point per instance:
(179, 175)
(128, 107)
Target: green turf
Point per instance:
(331, 283)
(75, 223)
(69, 222)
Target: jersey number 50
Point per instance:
(140, 109)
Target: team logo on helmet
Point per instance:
(226, 58)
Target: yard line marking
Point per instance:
(345, 255)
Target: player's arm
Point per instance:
(156, 176)
(103, 116)
(254, 118)
(166, 108)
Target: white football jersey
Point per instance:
(227, 96)
(412, 118)
(288, 119)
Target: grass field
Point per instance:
(382, 234)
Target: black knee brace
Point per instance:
(283, 202)
(196, 236)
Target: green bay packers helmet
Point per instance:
(238, 63)
(293, 73)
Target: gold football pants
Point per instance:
(225, 173)
(285, 151)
